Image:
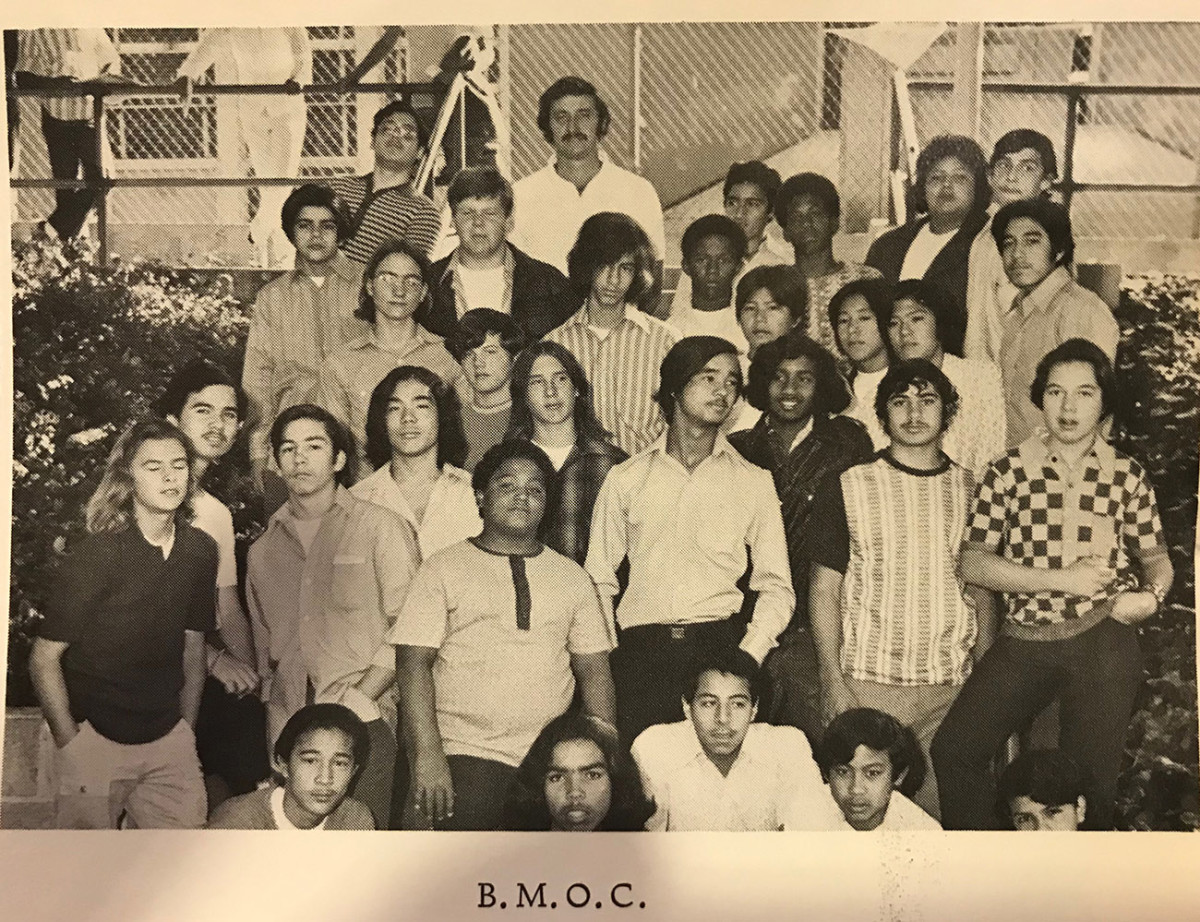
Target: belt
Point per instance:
(677, 633)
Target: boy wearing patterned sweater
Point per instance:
(1054, 525)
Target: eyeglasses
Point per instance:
(405, 131)
(393, 280)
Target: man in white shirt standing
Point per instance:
(689, 513)
(578, 181)
(717, 770)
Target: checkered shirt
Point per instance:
(1027, 509)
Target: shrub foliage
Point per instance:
(94, 349)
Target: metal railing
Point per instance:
(1075, 96)
(99, 92)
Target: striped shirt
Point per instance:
(895, 534)
(623, 370)
(395, 212)
(83, 54)
(294, 326)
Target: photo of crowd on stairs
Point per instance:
(415, 430)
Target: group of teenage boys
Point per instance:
(521, 527)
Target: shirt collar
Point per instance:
(283, 518)
(632, 315)
(721, 447)
(805, 431)
(1035, 451)
(1039, 299)
(341, 266)
(368, 338)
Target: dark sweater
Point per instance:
(948, 270)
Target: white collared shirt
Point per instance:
(686, 535)
(549, 210)
(452, 515)
(902, 816)
(775, 768)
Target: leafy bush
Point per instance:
(1158, 421)
(94, 349)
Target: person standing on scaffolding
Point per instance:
(50, 58)
(270, 125)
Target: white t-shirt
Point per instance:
(215, 520)
(924, 249)
(481, 288)
(556, 453)
(281, 820)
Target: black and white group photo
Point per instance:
(604, 427)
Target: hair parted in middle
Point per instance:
(451, 442)
(111, 507)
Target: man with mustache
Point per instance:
(579, 180)
(689, 513)
(202, 400)
(892, 627)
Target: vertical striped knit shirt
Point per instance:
(894, 533)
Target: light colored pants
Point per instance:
(920, 707)
(156, 785)
(273, 131)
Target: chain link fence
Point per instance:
(688, 99)
(1140, 135)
